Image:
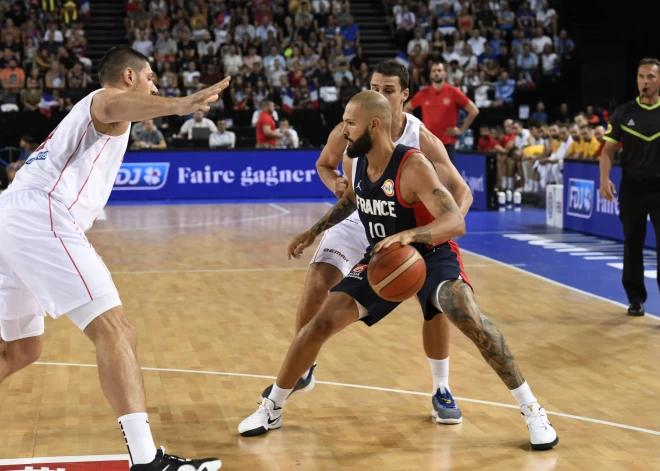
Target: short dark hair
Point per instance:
(649, 61)
(393, 68)
(118, 59)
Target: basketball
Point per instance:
(397, 272)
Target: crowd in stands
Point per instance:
(297, 54)
(492, 48)
(530, 155)
(42, 55)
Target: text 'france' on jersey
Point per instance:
(381, 206)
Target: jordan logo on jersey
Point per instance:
(388, 187)
(375, 207)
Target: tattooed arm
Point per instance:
(420, 184)
(433, 148)
(340, 211)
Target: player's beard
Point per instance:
(438, 80)
(360, 146)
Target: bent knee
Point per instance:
(322, 277)
(24, 352)
(112, 326)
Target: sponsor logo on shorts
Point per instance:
(388, 187)
(39, 156)
(336, 252)
(142, 176)
(358, 271)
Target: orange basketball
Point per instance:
(397, 272)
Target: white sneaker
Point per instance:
(267, 417)
(542, 435)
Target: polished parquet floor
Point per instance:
(213, 297)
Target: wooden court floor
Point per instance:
(213, 297)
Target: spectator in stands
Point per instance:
(267, 136)
(12, 77)
(477, 43)
(589, 145)
(27, 146)
(222, 139)
(504, 90)
(446, 20)
(289, 138)
(55, 77)
(143, 44)
(506, 18)
(487, 143)
(547, 17)
(197, 121)
(564, 46)
(575, 149)
(550, 169)
(540, 115)
(528, 61)
(540, 41)
(599, 134)
(166, 49)
(150, 137)
(550, 62)
(418, 40)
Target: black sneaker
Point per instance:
(303, 385)
(165, 462)
(636, 309)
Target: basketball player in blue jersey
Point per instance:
(344, 245)
(395, 190)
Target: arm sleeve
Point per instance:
(613, 132)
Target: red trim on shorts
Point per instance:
(76, 267)
(325, 233)
(89, 175)
(454, 248)
(60, 177)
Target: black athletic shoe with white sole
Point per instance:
(165, 462)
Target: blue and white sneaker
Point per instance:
(445, 410)
(303, 385)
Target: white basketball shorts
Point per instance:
(343, 245)
(48, 266)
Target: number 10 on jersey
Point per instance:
(376, 230)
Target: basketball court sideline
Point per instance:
(213, 297)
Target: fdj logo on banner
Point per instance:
(142, 176)
(580, 198)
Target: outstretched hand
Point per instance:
(300, 243)
(200, 101)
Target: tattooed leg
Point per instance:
(457, 301)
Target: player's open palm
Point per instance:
(299, 243)
(200, 101)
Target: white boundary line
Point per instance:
(249, 270)
(577, 290)
(63, 459)
(371, 388)
(282, 212)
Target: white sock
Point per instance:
(279, 396)
(140, 443)
(440, 372)
(523, 394)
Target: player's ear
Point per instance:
(129, 76)
(406, 94)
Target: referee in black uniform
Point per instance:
(637, 125)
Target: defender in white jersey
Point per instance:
(48, 266)
(345, 244)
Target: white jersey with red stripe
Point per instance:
(76, 165)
